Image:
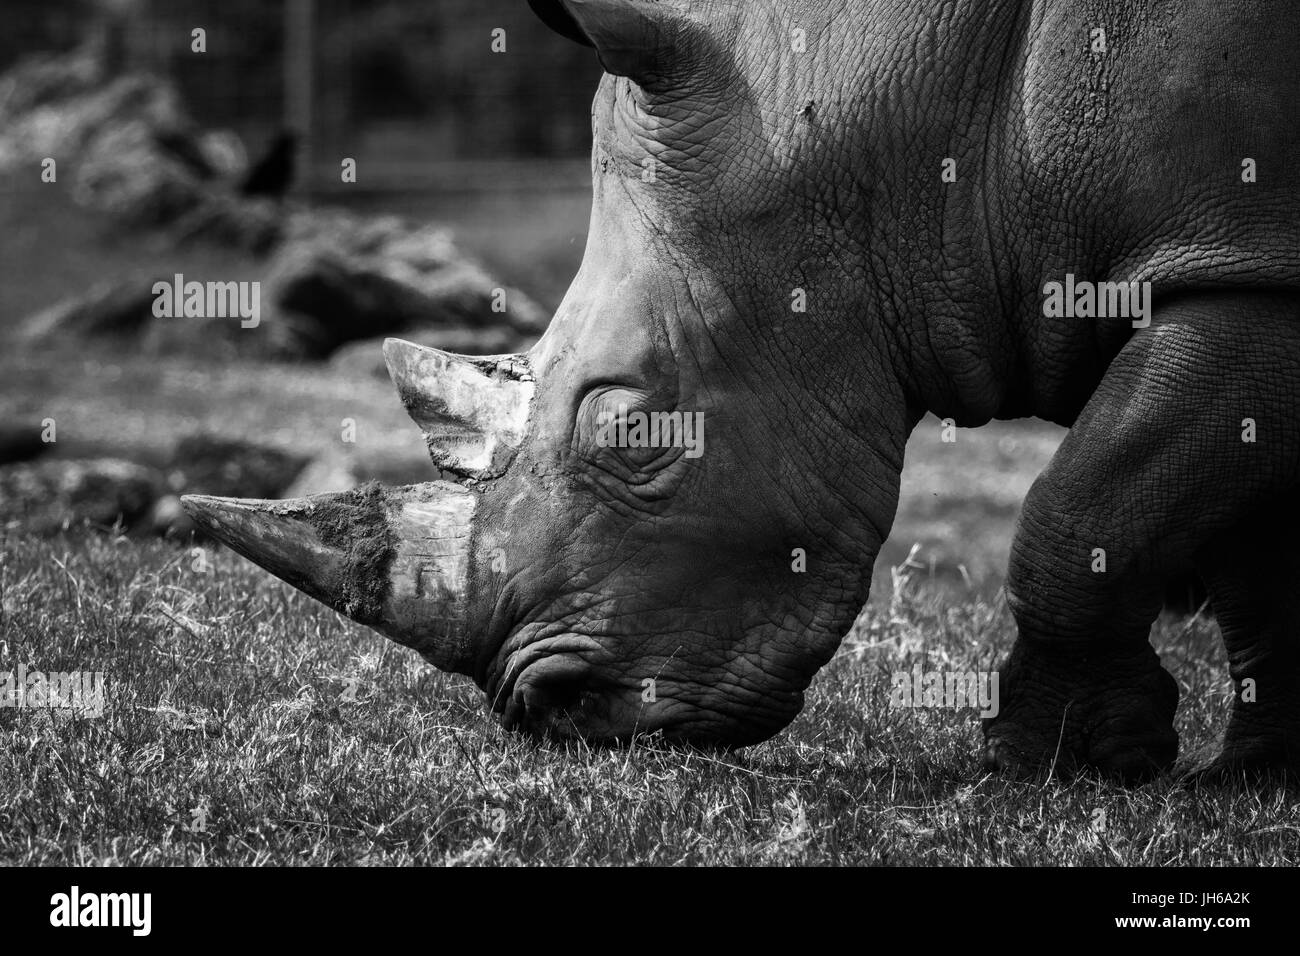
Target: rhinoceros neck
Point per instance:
(933, 116)
(980, 126)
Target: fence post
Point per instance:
(299, 81)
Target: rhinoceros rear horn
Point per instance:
(645, 40)
(396, 559)
(473, 410)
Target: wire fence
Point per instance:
(420, 94)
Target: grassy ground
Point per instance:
(298, 737)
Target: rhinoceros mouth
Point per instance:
(571, 686)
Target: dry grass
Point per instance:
(308, 739)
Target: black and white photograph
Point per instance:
(651, 434)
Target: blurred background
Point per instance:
(379, 167)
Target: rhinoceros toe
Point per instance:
(1065, 713)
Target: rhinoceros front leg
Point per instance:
(1191, 431)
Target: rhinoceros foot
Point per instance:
(1065, 711)
(1253, 754)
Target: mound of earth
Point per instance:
(45, 497)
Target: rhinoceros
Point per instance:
(813, 223)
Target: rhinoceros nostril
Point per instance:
(559, 708)
(553, 695)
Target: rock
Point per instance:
(48, 78)
(168, 518)
(332, 471)
(358, 279)
(338, 470)
(125, 172)
(345, 299)
(122, 308)
(211, 465)
(45, 497)
(254, 226)
(21, 443)
(336, 279)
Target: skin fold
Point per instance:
(774, 246)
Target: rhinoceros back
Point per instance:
(1161, 141)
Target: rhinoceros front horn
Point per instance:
(396, 559)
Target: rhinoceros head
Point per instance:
(665, 514)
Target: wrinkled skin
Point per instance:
(608, 591)
(819, 171)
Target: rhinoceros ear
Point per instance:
(473, 410)
(555, 16)
(639, 39)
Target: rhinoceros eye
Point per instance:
(624, 435)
